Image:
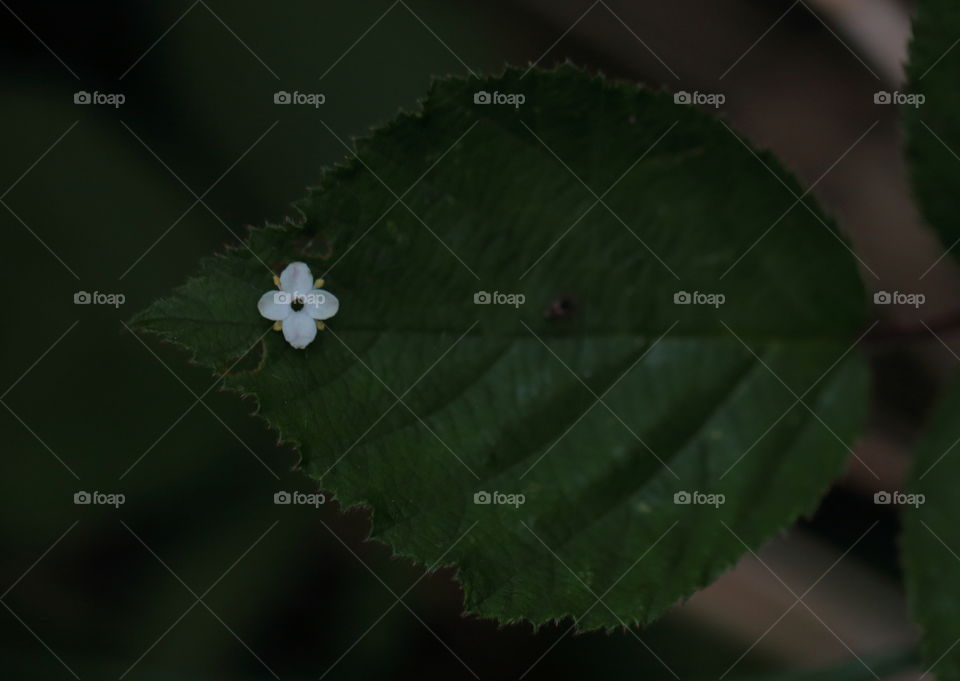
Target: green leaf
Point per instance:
(931, 540)
(416, 398)
(933, 127)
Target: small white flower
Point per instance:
(299, 306)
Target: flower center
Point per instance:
(297, 304)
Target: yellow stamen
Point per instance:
(320, 325)
(318, 283)
(277, 326)
(276, 281)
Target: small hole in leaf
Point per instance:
(561, 308)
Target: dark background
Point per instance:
(105, 199)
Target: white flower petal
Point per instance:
(275, 305)
(296, 278)
(320, 304)
(299, 329)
